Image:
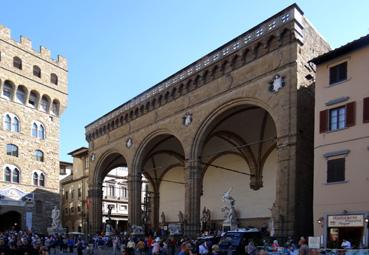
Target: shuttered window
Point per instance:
(366, 110)
(337, 118)
(350, 114)
(336, 170)
(323, 121)
(338, 73)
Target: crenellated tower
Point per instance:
(33, 96)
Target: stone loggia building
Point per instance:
(33, 95)
(241, 117)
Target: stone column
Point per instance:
(193, 188)
(284, 213)
(95, 209)
(134, 199)
(155, 209)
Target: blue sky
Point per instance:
(118, 48)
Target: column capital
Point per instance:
(134, 178)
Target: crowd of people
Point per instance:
(28, 243)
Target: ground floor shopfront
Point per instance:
(351, 226)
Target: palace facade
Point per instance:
(33, 96)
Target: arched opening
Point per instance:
(11, 220)
(109, 176)
(237, 154)
(21, 94)
(55, 107)
(8, 90)
(115, 196)
(45, 103)
(162, 163)
(33, 99)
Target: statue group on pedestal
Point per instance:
(230, 215)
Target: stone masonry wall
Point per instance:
(47, 196)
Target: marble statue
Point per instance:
(55, 216)
(230, 215)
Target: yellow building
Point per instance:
(341, 150)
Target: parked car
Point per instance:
(235, 241)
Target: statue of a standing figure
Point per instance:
(162, 216)
(110, 207)
(180, 217)
(205, 219)
(55, 216)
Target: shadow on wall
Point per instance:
(44, 202)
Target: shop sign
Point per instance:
(346, 220)
(314, 242)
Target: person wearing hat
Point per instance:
(156, 246)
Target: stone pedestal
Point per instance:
(56, 230)
(108, 229)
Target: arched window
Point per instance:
(11, 174)
(37, 71)
(7, 122)
(35, 179)
(41, 132)
(32, 100)
(12, 150)
(34, 130)
(8, 90)
(38, 130)
(55, 107)
(54, 79)
(42, 180)
(15, 124)
(7, 174)
(21, 95)
(15, 178)
(17, 63)
(11, 123)
(39, 155)
(45, 104)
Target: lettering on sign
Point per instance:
(346, 220)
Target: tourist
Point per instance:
(346, 244)
(156, 246)
(250, 249)
(203, 248)
(185, 249)
(215, 249)
(275, 246)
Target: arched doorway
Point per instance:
(105, 164)
(237, 153)
(10, 220)
(161, 161)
